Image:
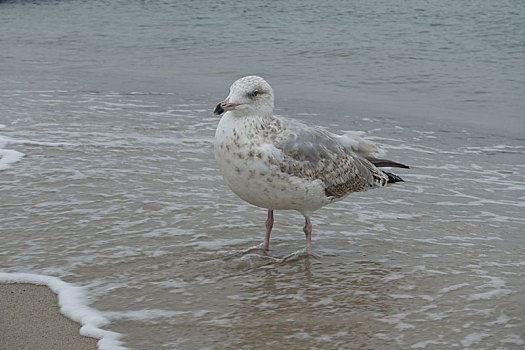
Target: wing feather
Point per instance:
(316, 154)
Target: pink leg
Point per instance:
(269, 225)
(308, 233)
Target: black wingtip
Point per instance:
(392, 178)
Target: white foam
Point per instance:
(8, 157)
(72, 301)
(423, 344)
(323, 302)
(393, 277)
(494, 149)
(488, 295)
(513, 339)
(396, 320)
(33, 143)
(151, 314)
(452, 288)
(473, 338)
(498, 285)
(502, 319)
(401, 296)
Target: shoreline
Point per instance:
(31, 319)
(295, 97)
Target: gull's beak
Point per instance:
(224, 106)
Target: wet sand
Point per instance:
(30, 319)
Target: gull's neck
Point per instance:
(250, 118)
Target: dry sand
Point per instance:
(30, 319)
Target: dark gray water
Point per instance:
(108, 179)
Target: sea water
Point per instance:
(108, 181)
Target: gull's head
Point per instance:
(250, 95)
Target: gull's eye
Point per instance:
(254, 93)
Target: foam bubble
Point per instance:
(72, 302)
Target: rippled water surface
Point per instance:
(131, 205)
(116, 188)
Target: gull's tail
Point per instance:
(381, 163)
(392, 177)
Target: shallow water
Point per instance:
(131, 205)
(118, 192)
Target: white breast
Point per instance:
(250, 166)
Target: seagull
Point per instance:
(280, 164)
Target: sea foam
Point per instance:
(73, 304)
(7, 156)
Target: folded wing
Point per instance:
(315, 154)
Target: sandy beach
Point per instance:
(30, 319)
